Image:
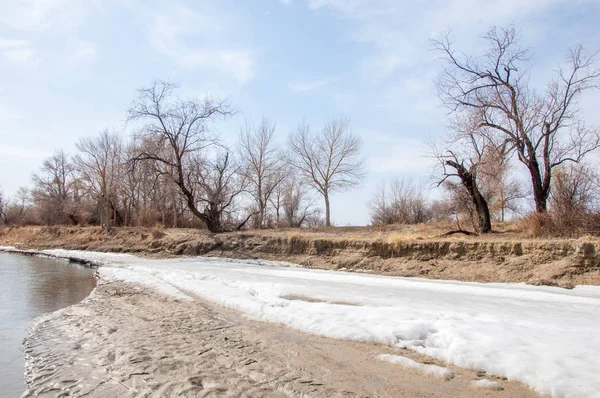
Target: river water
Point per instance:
(29, 287)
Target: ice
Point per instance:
(432, 370)
(489, 384)
(545, 337)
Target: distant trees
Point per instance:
(177, 172)
(261, 165)
(574, 196)
(544, 129)
(16, 210)
(402, 202)
(2, 207)
(99, 163)
(55, 189)
(329, 161)
(298, 207)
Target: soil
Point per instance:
(400, 251)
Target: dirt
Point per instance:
(412, 252)
(128, 341)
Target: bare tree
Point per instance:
(218, 184)
(261, 164)
(403, 203)
(574, 194)
(462, 157)
(15, 210)
(544, 129)
(3, 205)
(276, 199)
(297, 206)
(176, 133)
(99, 163)
(500, 188)
(329, 161)
(55, 188)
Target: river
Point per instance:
(29, 287)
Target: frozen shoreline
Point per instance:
(315, 310)
(127, 340)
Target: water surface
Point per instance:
(29, 287)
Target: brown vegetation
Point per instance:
(414, 251)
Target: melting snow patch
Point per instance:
(125, 275)
(545, 337)
(485, 383)
(432, 370)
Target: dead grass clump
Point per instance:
(293, 236)
(537, 226)
(399, 237)
(158, 231)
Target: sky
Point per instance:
(70, 69)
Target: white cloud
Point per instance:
(84, 51)
(313, 85)
(193, 40)
(399, 31)
(407, 155)
(17, 52)
(38, 15)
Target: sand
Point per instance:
(129, 341)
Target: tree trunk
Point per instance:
(541, 189)
(106, 206)
(484, 222)
(541, 201)
(327, 210)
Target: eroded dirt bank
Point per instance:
(496, 258)
(128, 341)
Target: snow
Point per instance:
(545, 337)
(432, 370)
(125, 275)
(489, 384)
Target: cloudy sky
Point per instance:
(70, 68)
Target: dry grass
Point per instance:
(158, 231)
(416, 250)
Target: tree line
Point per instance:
(175, 170)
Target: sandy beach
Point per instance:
(129, 341)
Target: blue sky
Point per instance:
(70, 68)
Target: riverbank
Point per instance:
(514, 331)
(128, 340)
(397, 251)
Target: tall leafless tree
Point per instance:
(544, 128)
(329, 161)
(55, 188)
(462, 156)
(218, 183)
(261, 164)
(99, 163)
(176, 133)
